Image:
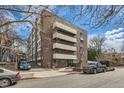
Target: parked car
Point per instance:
(8, 77)
(109, 65)
(94, 67)
(24, 65)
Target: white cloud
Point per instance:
(115, 36)
(114, 31)
(114, 39)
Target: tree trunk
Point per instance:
(36, 43)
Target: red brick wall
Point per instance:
(47, 40)
(49, 19)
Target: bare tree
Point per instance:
(97, 42)
(95, 16)
(31, 15)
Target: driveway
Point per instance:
(101, 80)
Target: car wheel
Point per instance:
(104, 70)
(113, 69)
(94, 71)
(5, 82)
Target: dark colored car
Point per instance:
(8, 77)
(109, 65)
(94, 67)
(24, 65)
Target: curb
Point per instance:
(27, 76)
(74, 73)
(31, 75)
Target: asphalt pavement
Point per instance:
(112, 79)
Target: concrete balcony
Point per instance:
(38, 58)
(64, 56)
(65, 47)
(64, 27)
(64, 37)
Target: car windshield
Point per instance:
(24, 62)
(91, 63)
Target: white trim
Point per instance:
(64, 37)
(64, 27)
(65, 47)
(64, 56)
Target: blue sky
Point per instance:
(113, 33)
(67, 15)
(116, 35)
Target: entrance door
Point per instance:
(69, 63)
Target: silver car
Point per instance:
(8, 77)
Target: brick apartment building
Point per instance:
(57, 43)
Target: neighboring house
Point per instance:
(5, 48)
(5, 51)
(57, 43)
(5, 40)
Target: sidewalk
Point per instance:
(42, 73)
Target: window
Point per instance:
(38, 43)
(1, 71)
(81, 50)
(99, 64)
(38, 34)
(81, 36)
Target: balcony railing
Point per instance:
(64, 56)
(64, 27)
(64, 37)
(65, 47)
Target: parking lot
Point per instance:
(100, 80)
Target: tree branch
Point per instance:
(17, 21)
(21, 11)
